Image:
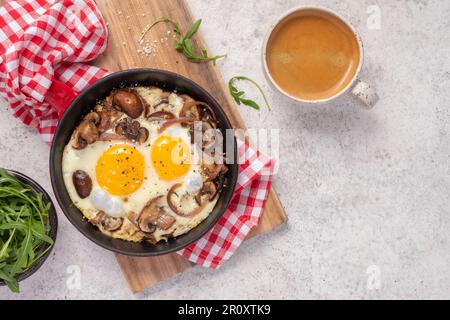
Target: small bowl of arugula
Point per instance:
(28, 226)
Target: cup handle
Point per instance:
(366, 94)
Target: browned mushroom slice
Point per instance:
(133, 217)
(128, 101)
(155, 215)
(87, 132)
(220, 182)
(190, 110)
(149, 215)
(213, 170)
(209, 190)
(143, 135)
(107, 222)
(108, 119)
(206, 113)
(76, 142)
(132, 130)
(198, 110)
(82, 183)
(174, 192)
(122, 127)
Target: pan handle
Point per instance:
(60, 96)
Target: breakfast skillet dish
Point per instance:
(132, 165)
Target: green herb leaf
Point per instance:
(250, 103)
(12, 283)
(176, 27)
(238, 95)
(184, 43)
(193, 29)
(188, 47)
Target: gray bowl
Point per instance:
(53, 221)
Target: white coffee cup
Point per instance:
(360, 89)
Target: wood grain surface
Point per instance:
(126, 20)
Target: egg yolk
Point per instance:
(120, 170)
(171, 157)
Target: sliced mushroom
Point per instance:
(206, 113)
(146, 227)
(190, 110)
(213, 170)
(87, 132)
(143, 135)
(122, 127)
(176, 208)
(133, 217)
(108, 119)
(129, 102)
(149, 215)
(77, 143)
(155, 215)
(132, 130)
(209, 190)
(107, 222)
(198, 110)
(82, 183)
(220, 182)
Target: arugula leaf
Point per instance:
(12, 283)
(193, 29)
(175, 25)
(184, 43)
(238, 95)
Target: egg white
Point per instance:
(152, 186)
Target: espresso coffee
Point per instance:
(313, 55)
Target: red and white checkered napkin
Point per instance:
(42, 43)
(243, 213)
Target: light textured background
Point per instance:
(361, 188)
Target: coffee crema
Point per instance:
(313, 55)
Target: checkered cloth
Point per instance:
(42, 45)
(42, 41)
(243, 213)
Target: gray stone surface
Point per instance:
(366, 192)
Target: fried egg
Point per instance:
(126, 174)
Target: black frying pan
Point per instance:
(84, 103)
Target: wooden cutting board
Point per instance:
(126, 20)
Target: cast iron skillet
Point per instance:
(84, 103)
